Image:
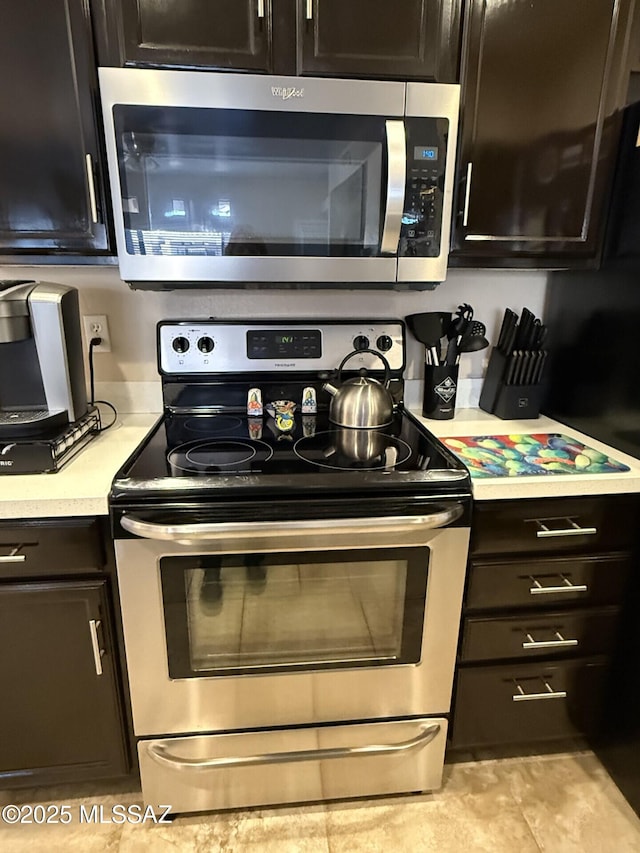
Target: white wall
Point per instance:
(133, 314)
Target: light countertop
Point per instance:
(81, 487)
(475, 422)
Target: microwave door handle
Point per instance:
(396, 182)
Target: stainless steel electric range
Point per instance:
(291, 596)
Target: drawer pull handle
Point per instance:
(548, 644)
(95, 645)
(261, 8)
(567, 586)
(521, 696)
(162, 755)
(573, 530)
(13, 556)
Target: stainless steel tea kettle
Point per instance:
(361, 402)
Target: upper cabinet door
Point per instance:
(51, 196)
(542, 83)
(234, 34)
(410, 39)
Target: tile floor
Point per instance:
(563, 803)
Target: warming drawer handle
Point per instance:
(396, 180)
(521, 696)
(260, 529)
(567, 586)
(560, 643)
(13, 556)
(162, 755)
(573, 530)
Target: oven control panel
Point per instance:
(207, 346)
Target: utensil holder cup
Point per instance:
(439, 393)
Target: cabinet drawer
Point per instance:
(58, 546)
(527, 702)
(577, 632)
(552, 526)
(548, 581)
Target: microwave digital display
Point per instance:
(425, 152)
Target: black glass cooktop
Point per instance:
(230, 450)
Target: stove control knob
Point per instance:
(205, 344)
(180, 344)
(361, 342)
(384, 343)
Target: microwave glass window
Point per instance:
(298, 186)
(264, 611)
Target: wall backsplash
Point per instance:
(133, 314)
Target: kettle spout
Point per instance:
(331, 389)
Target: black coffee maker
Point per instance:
(42, 383)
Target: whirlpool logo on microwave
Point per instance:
(286, 92)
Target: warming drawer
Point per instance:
(281, 766)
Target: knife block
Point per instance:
(509, 402)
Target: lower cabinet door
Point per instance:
(528, 702)
(60, 715)
(281, 766)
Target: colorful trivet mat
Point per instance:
(527, 455)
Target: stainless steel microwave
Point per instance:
(219, 178)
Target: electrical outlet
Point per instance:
(97, 326)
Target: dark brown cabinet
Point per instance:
(52, 198)
(405, 39)
(541, 618)
(542, 86)
(62, 718)
(192, 33)
(412, 39)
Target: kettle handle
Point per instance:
(387, 368)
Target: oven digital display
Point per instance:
(284, 343)
(425, 152)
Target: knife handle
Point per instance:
(511, 369)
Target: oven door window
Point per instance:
(306, 610)
(236, 182)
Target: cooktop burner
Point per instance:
(209, 426)
(352, 449)
(218, 454)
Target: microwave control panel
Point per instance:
(426, 159)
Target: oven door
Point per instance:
(230, 177)
(266, 624)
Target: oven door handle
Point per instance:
(187, 533)
(161, 754)
(396, 181)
